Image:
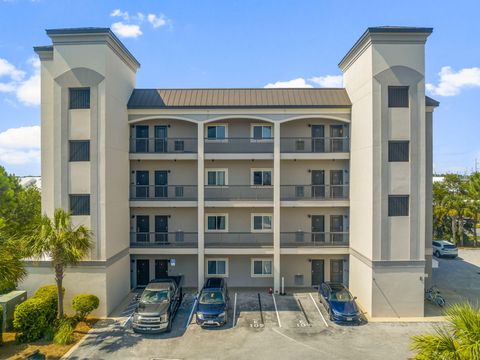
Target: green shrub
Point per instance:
(1, 324)
(84, 304)
(35, 316)
(64, 333)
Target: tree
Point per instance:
(19, 212)
(60, 241)
(450, 201)
(460, 339)
(11, 266)
(474, 202)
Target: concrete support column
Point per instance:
(201, 205)
(276, 208)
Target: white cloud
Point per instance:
(131, 25)
(26, 90)
(9, 70)
(126, 30)
(19, 146)
(331, 81)
(157, 20)
(120, 13)
(295, 83)
(452, 82)
(328, 81)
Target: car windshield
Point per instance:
(341, 295)
(211, 297)
(154, 296)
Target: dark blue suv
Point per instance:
(212, 306)
(340, 303)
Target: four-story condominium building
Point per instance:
(267, 187)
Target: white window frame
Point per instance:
(252, 272)
(216, 214)
(207, 170)
(252, 170)
(216, 259)
(252, 126)
(216, 140)
(253, 230)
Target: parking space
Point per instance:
(269, 326)
(181, 321)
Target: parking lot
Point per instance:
(259, 324)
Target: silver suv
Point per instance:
(444, 248)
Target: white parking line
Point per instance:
(191, 312)
(126, 321)
(276, 310)
(314, 303)
(234, 310)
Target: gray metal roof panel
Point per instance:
(431, 102)
(239, 98)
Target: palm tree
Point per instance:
(11, 266)
(459, 340)
(63, 243)
(474, 202)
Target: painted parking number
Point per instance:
(301, 323)
(256, 324)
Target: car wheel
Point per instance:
(169, 326)
(437, 254)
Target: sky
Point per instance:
(244, 43)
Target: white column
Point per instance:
(200, 207)
(276, 208)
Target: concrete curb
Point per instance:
(75, 347)
(430, 319)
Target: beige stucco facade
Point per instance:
(304, 189)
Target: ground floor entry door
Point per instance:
(143, 272)
(317, 272)
(161, 269)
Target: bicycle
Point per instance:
(433, 295)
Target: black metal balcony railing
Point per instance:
(314, 192)
(163, 145)
(163, 192)
(238, 240)
(238, 192)
(163, 239)
(314, 145)
(239, 145)
(313, 239)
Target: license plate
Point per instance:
(349, 318)
(209, 322)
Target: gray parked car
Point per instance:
(158, 305)
(444, 248)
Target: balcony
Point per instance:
(313, 239)
(238, 192)
(178, 239)
(163, 145)
(238, 145)
(238, 240)
(314, 192)
(163, 192)
(314, 145)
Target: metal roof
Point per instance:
(431, 102)
(239, 98)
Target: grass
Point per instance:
(12, 350)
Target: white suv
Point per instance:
(444, 248)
